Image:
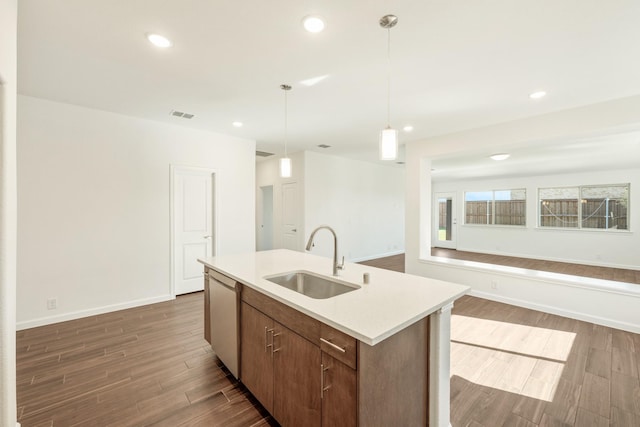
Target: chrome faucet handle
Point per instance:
(341, 266)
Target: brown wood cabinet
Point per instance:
(305, 372)
(256, 358)
(339, 393)
(296, 373)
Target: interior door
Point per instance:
(445, 221)
(290, 216)
(192, 191)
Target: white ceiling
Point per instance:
(455, 66)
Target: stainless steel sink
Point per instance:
(311, 284)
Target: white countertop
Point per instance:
(389, 303)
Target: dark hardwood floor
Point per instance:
(151, 366)
(138, 367)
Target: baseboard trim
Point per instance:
(630, 327)
(42, 321)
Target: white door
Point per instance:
(192, 217)
(290, 216)
(445, 221)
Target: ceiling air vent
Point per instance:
(263, 154)
(324, 146)
(182, 114)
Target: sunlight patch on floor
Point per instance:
(520, 359)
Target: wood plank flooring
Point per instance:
(146, 366)
(512, 366)
(150, 366)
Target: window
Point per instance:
(495, 207)
(599, 207)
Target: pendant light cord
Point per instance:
(285, 123)
(388, 77)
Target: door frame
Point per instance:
(260, 218)
(435, 242)
(297, 213)
(214, 221)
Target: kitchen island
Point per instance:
(376, 355)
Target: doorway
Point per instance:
(290, 217)
(192, 226)
(265, 230)
(444, 232)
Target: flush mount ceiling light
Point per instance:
(237, 124)
(313, 23)
(388, 136)
(158, 40)
(407, 128)
(285, 162)
(538, 95)
(500, 156)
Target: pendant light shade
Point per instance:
(388, 144)
(285, 162)
(388, 136)
(285, 167)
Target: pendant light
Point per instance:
(285, 162)
(388, 136)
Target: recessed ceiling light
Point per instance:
(407, 128)
(500, 156)
(237, 124)
(158, 40)
(313, 23)
(538, 95)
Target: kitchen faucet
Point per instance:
(336, 266)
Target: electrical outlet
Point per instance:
(52, 303)
(494, 284)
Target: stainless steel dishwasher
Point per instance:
(224, 319)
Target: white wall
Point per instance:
(268, 173)
(517, 289)
(612, 249)
(8, 204)
(363, 202)
(94, 213)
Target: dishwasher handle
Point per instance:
(222, 280)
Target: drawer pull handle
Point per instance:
(337, 347)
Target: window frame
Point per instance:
(579, 209)
(493, 208)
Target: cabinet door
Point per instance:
(339, 396)
(296, 376)
(257, 359)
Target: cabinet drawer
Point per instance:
(339, 345)
(298, 322)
